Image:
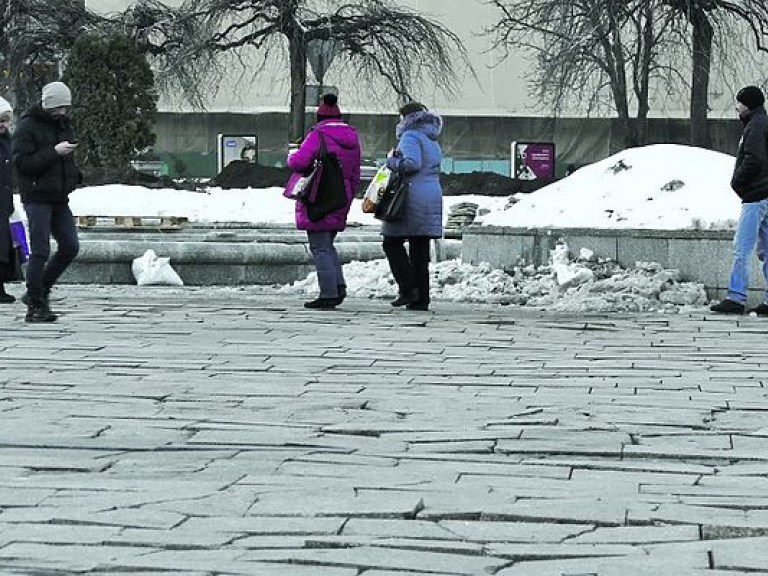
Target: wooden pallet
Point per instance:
(128, 222)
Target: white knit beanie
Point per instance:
(55, 95)
(5, 107)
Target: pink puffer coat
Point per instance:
(341, 139)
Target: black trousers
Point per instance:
(43, 269)
(410, 269)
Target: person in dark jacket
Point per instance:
(7, 259)
(43, 147)
(418, 156)
(342, 140)
(750, 182)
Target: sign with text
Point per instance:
(533, 160)
(231, 147)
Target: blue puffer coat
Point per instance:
(420, 157)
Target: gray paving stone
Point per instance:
(639, 564)
(396, 528)
(77, 557)
(516, 531)
(638, 535)
(197, 431)
(395, 544)
(381, 505)
(264, 525)
(366, 557)
(185, 538)
(546, 551)
(747, 555)
(58, 535)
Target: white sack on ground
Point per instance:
(149, 269)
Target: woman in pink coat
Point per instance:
(341, 139)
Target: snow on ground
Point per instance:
(654, 187)
(661, 187)
(612, 289)
(256, 206)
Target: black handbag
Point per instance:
(391, 207)
(328, 189)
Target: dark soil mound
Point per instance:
(101, 176)
(487, 184)
(238, 174)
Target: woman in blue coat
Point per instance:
(418, 156)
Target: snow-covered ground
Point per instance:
(654, 187)
(256, 206)
(661, 187)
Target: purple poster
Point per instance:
(533, 160)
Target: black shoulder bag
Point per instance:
(330, 193)
(391, 206)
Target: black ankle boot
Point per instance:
(342, 288)
(38, 311)
(408, 297)
(46, 297)
(728, 306)
(322, 303)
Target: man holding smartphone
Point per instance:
(43, 146)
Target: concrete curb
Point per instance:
(700, 255)
(202, 256)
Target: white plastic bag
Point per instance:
(375, 189)
(149, 269)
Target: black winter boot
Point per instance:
(46, 297)
(342, 293)
(408, 297)
(322, 303)
(38, 311)
(728, 307)
(761, 310)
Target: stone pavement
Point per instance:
(222, 431)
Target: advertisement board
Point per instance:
(236, 147)
(532, 160)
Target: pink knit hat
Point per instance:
(328, 108)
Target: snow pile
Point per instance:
(662, 187)
(584, 285)
(569, 274)
(255, 206)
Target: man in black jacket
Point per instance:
(750, 182)
(43, 146)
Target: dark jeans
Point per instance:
(46, 220)
(411, 269)
(329, 271)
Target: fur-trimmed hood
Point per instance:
(426, 121)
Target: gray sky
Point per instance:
(500, 88)
(106, 5)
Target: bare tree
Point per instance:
(35, 36)
(714, 22)
(593, 53)
(696, 14)
(377, 39)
